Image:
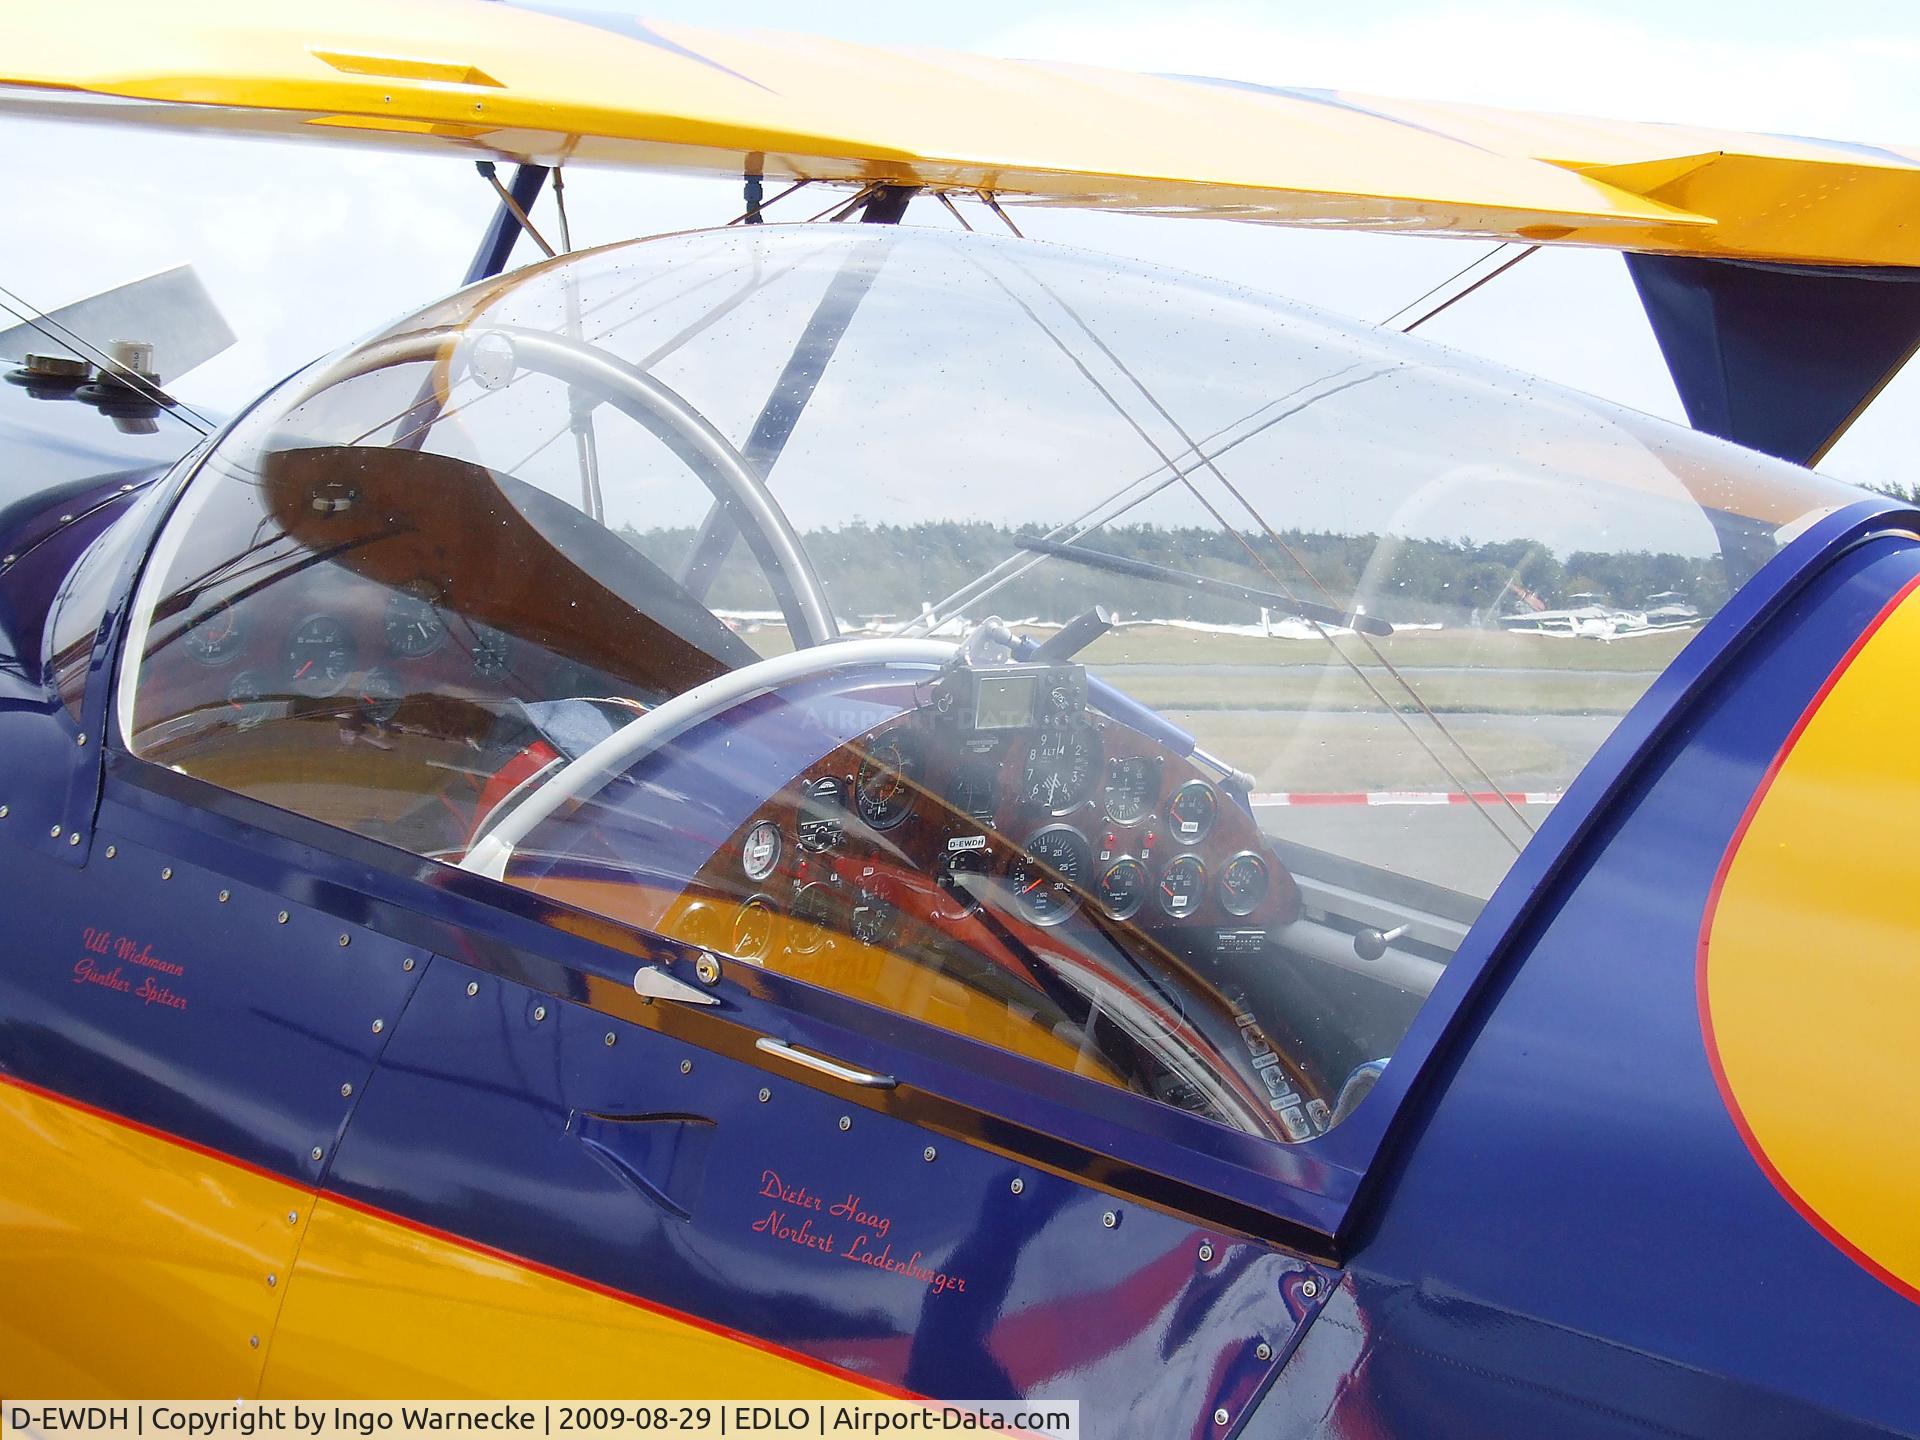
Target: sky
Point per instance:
(305, 247)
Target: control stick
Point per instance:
(1371, 944)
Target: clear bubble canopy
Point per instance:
(1281, 563)
(895, 376)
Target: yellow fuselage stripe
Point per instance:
(138, 1265)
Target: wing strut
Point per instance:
(1779, 358)
(883, 205)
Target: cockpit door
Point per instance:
(600, 1193)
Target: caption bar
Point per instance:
(569, 1419)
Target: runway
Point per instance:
(1463, 847)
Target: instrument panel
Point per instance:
(345, 651)
(1067, 822)
(384, 710)
(1035, 874)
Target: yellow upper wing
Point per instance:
(515, 82)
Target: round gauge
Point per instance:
(1243, 883)
(875, 921)
(1060, 769)
(381, 692)
(1192, 810)
(1182, 884)
(885, 787)
(1047, 879)
(247, 698)
(753, 927)
(962, 878)
(491, 652)
(1123, 887)
(812, 915)
(320, 656)
(1133, 785)
(760, 851)
(414, 626)
(823, 813)
(974, 791)
(214, 636)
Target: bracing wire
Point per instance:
(1260, 563)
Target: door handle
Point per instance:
(655, 983)
(821, 1065)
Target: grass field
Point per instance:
(1522, 711)
(1527, 710)
(1377, 691)
(1300, 751)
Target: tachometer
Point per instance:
(414, 626)
(247, 699)
(1182, 884)
(492, 652)
(320, 656)
(754, 924)
(1192, 810)
(215, 636)
(885, 787)
(1123, 887)
(1133, 785)
(1243, 883)
(381, 692)
(812, 912)
(1048, 879)
(875, 919)
(1060, 768)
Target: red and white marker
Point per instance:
(1406, 797)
